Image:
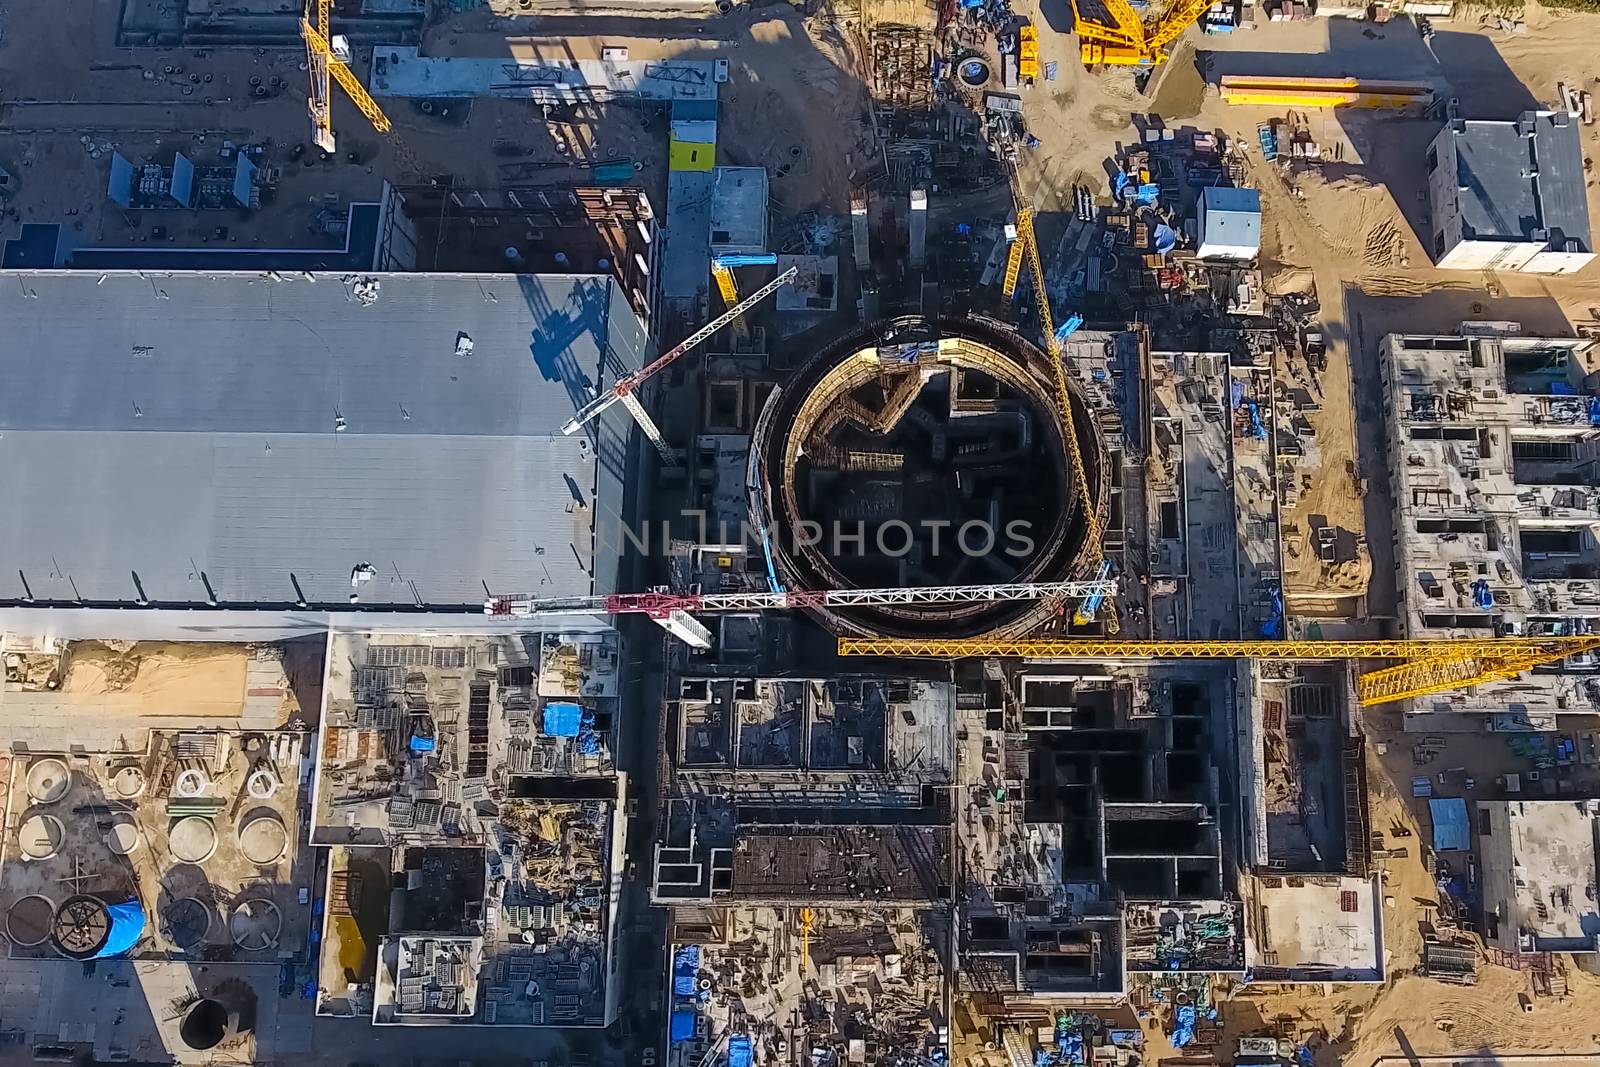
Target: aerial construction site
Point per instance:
(788, 534)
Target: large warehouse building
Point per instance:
(232, 456)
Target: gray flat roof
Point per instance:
(1500, 195)
(261, 437)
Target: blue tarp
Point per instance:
(1273, 627)
(588, 740)
(1119, 182)
(1166, 239)
(1257, 429)
(1594, 411)
(422, 744)
(1481, 595)
(1068, 328)
(562, 720)
(1451, 831)
(685, 969)
(127, 927)
(1183, 1029)
(739, 1050)
(1148, 194)
(682, 1025)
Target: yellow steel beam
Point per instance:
(1434, 665)
(1008, 286)
(1420, 677)
(1094, 648)
(725, 283)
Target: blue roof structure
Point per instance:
(1451, 830)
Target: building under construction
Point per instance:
(953, 423)
(467, 790)
(1491, 461)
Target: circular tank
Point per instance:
(926, 452)
(261, 784)
(48, 780)
(973, 72)
(264, 840)
(81, 927)
(192, 839)
(255, 924)
(127, 782)
(124, 838)
(40, 836)
(191, 783)
(30, 919)
(185, 922)
(205, 1025)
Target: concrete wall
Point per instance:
(1498, 873)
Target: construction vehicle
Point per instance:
(1427, 666)
(1026, 244)
(622, 392)
(722, 268)
(1124, 40)
(329, 54)
(672, 610)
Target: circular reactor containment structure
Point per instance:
(926, 452)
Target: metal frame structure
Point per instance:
(1027, 244)
(321, 62)
(621, 393)
(1430, 666)
(662, 604)
(1128, 43)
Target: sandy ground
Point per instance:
(163, 678)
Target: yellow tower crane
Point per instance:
(808, 923)
(1427, 666)
(328, 55)
(1124, 41)
(1027, 245)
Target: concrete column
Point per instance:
(919, 228)
(858, 231)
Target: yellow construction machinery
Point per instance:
(1427, 666)
(808, 926)
(1028, 52)
(1119, 37)
(1027, 244)
(329, 55)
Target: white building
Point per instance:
(1509, 195)
(1229, 224)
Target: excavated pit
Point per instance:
(939, 443)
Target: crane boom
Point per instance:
(1029, 242)
(323, 63)
(631, 381)
(1431, 666)
(660, 605)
